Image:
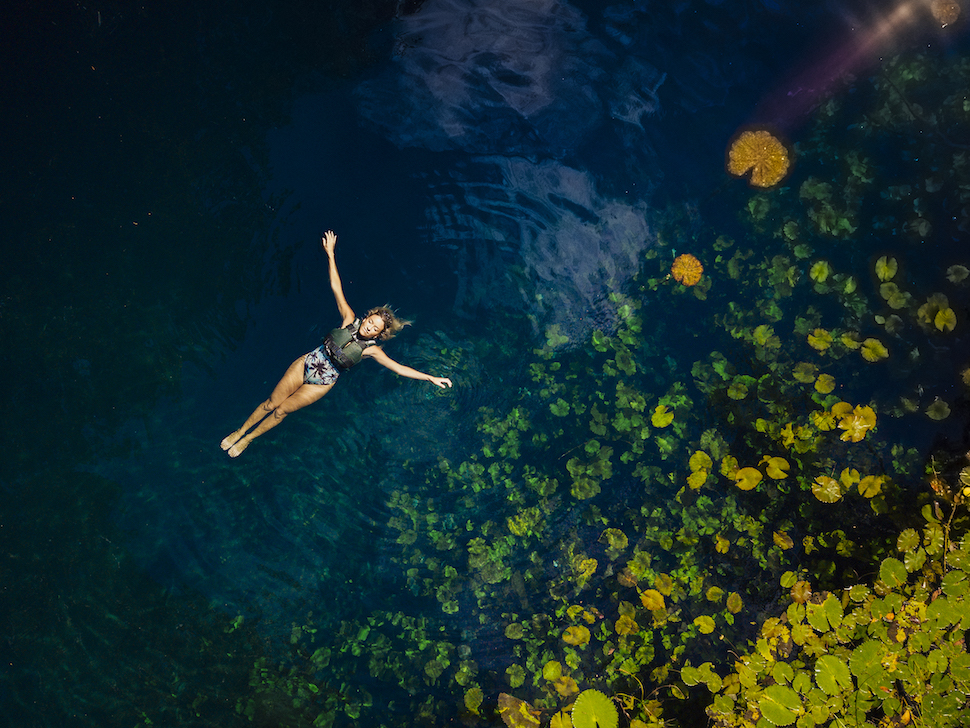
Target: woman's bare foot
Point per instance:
(229, 440)
(237, 449)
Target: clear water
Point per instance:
(492, 169)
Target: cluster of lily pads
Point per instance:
(659, 493)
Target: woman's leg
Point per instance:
(306, 394)
(292, 380)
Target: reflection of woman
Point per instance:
(313, 375)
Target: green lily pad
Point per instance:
(780, 705)
(892, 572)
(593, 709)
(832, 674)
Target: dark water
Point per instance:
(491, 169)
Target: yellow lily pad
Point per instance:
(820, 272)
(886, 268)
(661, 416)
(873, 350)
(577, 635)
(700, 460)
(939, 410)
(825, 383)
(748, 478)
(777, 468)
(826, 489)
(652, 600)
(820, 339)
(945, 319)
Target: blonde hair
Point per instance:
(392, 324)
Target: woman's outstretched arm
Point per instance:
(346, 312)
(383, 359)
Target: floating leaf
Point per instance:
(871, 485)
(856, 423)
(776, 468)
(804, 372)
(700, 460)
(825, 383)
(908, 540)
(945, 319)
(565, 686)
(737, 391)
(820, 272)
(593, 709)
(697, 479)
(938, 410)
(763, 154)
(957, 273)
(850, 340)
(832, 674)
(873, 350)
(626, 625)
(577, 635)
(865, 663)
(892, 572)
(748, 478)
(801, 592)
(704, 624)
(562, 719)
(516, 713)
(734, 603)
(473, 699)
(661, 416)
(780, 705)
(652, 600)
(729, 466)
(886, 268)
(782, 540)
(552, 670)
(826, 489)
(820, 339)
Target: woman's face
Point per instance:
(372, 326)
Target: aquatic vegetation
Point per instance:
(756, 441)
(593, 709)
(873, 350)
(886, 268)
(762, 154)
(687, 270)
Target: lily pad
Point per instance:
(593, 709)
(516, 713)
(886, 268)
(832, 674)
(748, 478)
(873, 350)
(780, 705)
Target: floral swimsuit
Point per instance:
(318, 369)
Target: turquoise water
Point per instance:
(495, 171)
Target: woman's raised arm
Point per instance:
(383, 359)
(346, 312)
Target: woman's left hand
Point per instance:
(442, 382)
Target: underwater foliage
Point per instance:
(762, 154)
(655, 490)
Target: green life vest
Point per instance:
(344, 348)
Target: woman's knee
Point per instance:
(279, 413)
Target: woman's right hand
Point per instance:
(329, 241)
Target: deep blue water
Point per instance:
(166, 176)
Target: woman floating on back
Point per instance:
(314, 374)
